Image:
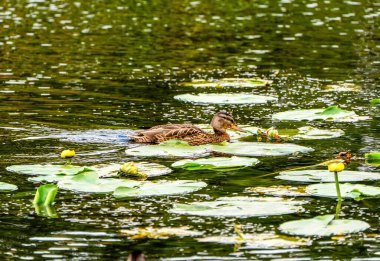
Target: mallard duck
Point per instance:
(187, 132)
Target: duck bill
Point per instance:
(237, 128)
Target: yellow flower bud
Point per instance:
(336, 167)
(67, 154)
(129, 168)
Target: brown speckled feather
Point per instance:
(186, 132)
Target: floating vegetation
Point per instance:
(159, 233)
(347, 190)
(343, 87)
(323, 226)
(240, 207)
(216, 163)
(158, 188)
(314, 175)
(4, 187)
(48, 169)
(225, 98)
(260, 149)
(332, 113)
(279, 191)
(170, 148)
(45, 194)
(149, 169)
(373, 158)
(260, 241)
(375, 101)
(227, 82)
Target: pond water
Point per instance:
(82, 74)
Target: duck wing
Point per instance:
(162, 133)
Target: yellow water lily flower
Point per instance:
(336, 167)
(67, 154)
(129, 168)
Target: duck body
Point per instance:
(188, 132)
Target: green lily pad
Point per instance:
(91, 183)
(373, 158)
(171, 148)
(225, 98)
(50, 178)
(45, 194)
(323, 226)
(158, 188)
(314, 175)
(311, 133)
(259, 149)
(48, 169)
(227, 82)
(279, 191)
(239, 207)
(355, 191)
(332, 113)
(216, 163)
(159, 233)
(148, 168)
(375, 101)
(259, 241)
(7, 187)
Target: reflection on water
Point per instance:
(81, 74)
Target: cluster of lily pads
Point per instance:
(127, 180)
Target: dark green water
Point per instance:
(74, 67)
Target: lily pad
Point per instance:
(259, 241)
(260, 149)
(375, 101)
(50, 178)
(48, 169)
(91, 183)
(158, 188)
(45, 194)
(7, 187)
(343, 87)
(373, 158)
(323, 226)
(314, 175)
(239, 207)
(332, 113)
(311, 133)
(148, 168)
(355, 191)
(227, 82)
(279, 191)
(170, 148)
(216, 163)
(225, 98)
(159, 233)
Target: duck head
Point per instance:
(222, 121)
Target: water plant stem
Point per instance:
(337, 187)
(337, 209)
(68, 162)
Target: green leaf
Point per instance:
(225, 98)
(375, 101)
(260, 149)
(48, 169)
(323, 226)
(331, 113)
(227, 82)
(158, 188)
(332, 110)
(216, 163)
(239, 207)
(45, 194)
(148, 168)
(314, 175)
(354, 191)
(91, 183)
(373, 158)
(279, 191)
(7, 187)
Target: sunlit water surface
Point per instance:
(82, 74)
